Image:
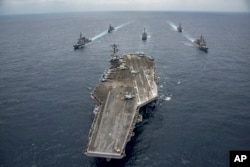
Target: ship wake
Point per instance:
(106, 31)
(99, 35)
(172, 25)
(188, 37)
(122, 25)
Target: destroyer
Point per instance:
(179, 28)
(81, 42)
(110, 29)
(201, 44)
(144, 35)
(126, 86)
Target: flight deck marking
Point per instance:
(111, 144)
(105, 106)
(118, 130)
(152, 91)
(124, 118)
(136, 87)
(101, 144)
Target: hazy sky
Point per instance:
(48, 6)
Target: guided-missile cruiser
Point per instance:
(144, 35)
(201, 44)
(128, 84)
(110, 29)
(81, 42)
(179, 28)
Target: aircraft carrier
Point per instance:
(129, 84)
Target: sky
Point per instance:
(57, 6)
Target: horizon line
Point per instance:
(107, 11)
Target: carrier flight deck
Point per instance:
(125, 87)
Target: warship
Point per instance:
(110, 29)
(201, 44)
(144, 35)
(128, 85)
(81, 42)
(179, 28)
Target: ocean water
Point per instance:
(203, 109)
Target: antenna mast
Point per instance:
(115, 50)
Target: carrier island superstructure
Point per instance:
(129, 84)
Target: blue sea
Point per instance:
(202, 113)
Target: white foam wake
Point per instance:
(168, 98)
(99, 35)
(106, 31)
(122, 25)
(172, 25)
(191, 39)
